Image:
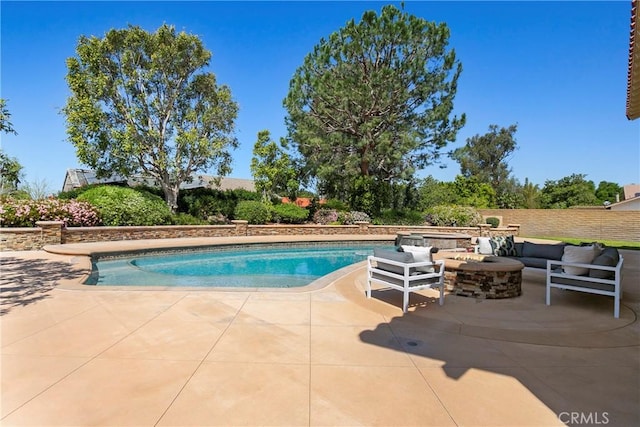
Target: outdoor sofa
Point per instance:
(589, 267)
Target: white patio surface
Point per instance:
(75, 355)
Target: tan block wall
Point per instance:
(578, 223)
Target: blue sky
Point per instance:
(557, 69)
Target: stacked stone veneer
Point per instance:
(48, 233)
(483, 284)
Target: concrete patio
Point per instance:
(74, 355)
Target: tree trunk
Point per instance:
(171, 196)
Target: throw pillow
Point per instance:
(484, 246)
(604, 260)
(420, 254)
(503, 245)
(542, 250)
(579, 254)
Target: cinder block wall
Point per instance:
(579, 223)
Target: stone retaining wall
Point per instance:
(53, 232)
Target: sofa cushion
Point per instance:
(503, 246)
(404, 257)
(420, 254)
(579, 254)
(484, 246)
(532, 262)
(543, 250)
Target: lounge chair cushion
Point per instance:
(579, 254)
(404, 257)
(420, 254)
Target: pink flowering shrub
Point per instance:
(325, 216)
(25, 213)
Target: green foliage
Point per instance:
(353, 137)
(182, 218)
(493, 221)
(253, 212)
(453, 216)
(10, 173)
(569, 191)
(272, 168)
(5, 117)
(530, 195)
(289, 213)
(24, 212)
(399, 217)
(469, 191)
(143, 102)
(485, 157)
(609, 192)
(213, 205)
(127, 206)
(335, 204)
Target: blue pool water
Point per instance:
(275, 267)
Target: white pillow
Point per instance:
(420, 254)
(580, 254)
(484, 246)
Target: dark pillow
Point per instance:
(519, 246)
(613, 253)
(503, 246)
(543, 250)
(606, 260)
(405, 257)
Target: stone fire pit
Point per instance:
(481, 276)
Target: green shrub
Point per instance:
(335, 204)
(493, 221)
(126, 206)
(400, 217)
(212, 205)
(182, 218)
(24, 213)
(252, 211)
(453, 216)
(289, 213)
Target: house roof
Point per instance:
(633, 73)
(631, 201)
(631, 191)
(76, 178)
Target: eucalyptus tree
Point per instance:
(144, 103)
(371, 104)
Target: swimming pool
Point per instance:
(249, 266)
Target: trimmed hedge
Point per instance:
(288, 213)
(253, 212)
(126, 206)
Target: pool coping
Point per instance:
(82, 254)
